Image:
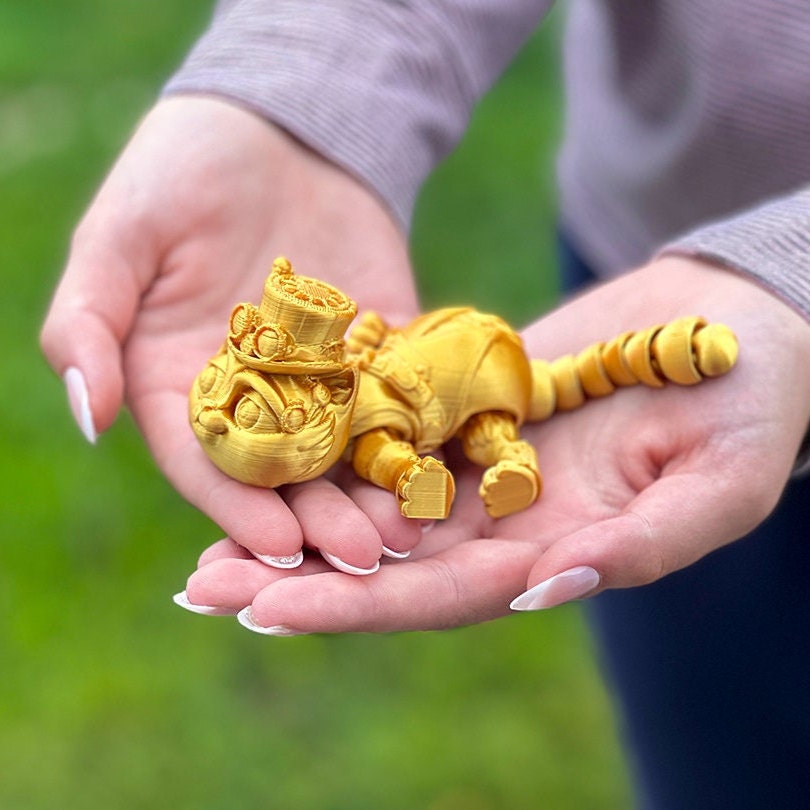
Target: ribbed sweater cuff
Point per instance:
(771, 244)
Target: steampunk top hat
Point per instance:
(297, 329)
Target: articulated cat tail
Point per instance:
(684, 351)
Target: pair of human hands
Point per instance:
(635, 486)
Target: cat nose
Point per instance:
(212, 420)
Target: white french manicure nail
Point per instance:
(289, 561)
(245, 618)
(571, 584)
(79, 399)
(395, 555)
(181, 599)
(336, 562)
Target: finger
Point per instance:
(398, 534)
(335, 525)
(224, 549)
(469, 583)
(225, 586)
(91, 313)
(255, 518)
(671, 524)
(233, 583)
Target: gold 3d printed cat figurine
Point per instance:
(286, 397)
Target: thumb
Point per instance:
(669, 525)
(90, 316)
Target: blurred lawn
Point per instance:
(112, 697)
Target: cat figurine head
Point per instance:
(274, 405)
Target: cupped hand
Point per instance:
(636, 485)
(185, 226)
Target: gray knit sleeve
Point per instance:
(770, 243)
(383, 88)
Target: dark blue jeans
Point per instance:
(710, 666)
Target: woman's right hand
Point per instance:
(186, 225)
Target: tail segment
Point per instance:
(684, 351)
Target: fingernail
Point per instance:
(181, 599)
(427, 525)
(395, 555)
(79, 400)
(245, 618)
(290, 561)
(336, 562)
(568, 585)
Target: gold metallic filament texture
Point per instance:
(288, 395)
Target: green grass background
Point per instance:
(110, 696)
